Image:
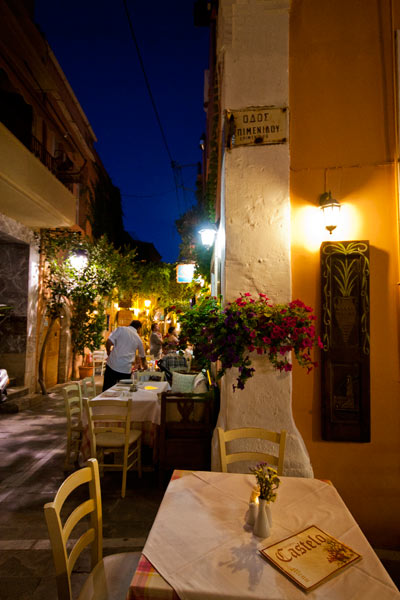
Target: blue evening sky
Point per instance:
(92, 42)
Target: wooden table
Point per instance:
(202, 547)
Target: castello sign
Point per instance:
(256, 126)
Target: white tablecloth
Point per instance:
(201, 545)
(145, 403)
(161, 386)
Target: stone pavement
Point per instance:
(32, 453)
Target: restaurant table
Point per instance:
(145, 414)
(200, 546)
(154, 386)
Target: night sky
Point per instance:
(92, 42)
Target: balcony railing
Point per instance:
(62, 170)
(45, 157)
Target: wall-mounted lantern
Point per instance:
(207, 234)
(331, 211)
(78, 260)
(147, 303)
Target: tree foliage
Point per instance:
(85, 291)
(159, 281)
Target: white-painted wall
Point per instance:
(252, 57)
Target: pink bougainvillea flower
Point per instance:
(247, 294)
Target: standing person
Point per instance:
(171, 341)
(121, 349)
(156, 341)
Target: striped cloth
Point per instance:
(147, 584)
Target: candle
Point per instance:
(254, 494)
(252, 513)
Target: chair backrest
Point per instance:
(73, 403)
(107, 416)
(64, 558)
(89, 387)
(257, 455)
(99, 359)
(187, 423)
(151, 376)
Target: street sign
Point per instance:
(256, 126)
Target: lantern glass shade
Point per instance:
(331, 211)
(78, 260)
(147, 303)
(207, 235)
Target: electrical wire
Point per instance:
(176, 168)
(146, 195)
(146, 79)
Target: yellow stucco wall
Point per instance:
(342, 138)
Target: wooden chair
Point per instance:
(151, 376)
(187, 423)
(110, 576)
(73, 408)
(251, 433)
(89, 387)
(99, 360)
(110, 433)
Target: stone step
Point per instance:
(14, 392)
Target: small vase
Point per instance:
(269, 514)
(262, 526)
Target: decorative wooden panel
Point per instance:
(345, 335)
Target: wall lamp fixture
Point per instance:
(78, 260)
(207, 234)
(331, 211)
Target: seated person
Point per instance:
(171, 341)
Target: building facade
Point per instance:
(47, 172)
(331, 70)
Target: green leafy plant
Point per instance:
(249, 325)
(82, 292)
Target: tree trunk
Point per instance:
(75, 374)
(41, 358)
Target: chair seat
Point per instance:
(111, 577)
(116, 440)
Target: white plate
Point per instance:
(125, 381)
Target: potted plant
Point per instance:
(229, 336)
(87, 326)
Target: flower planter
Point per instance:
(85, 371)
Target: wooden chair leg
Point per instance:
(78, 444)
(68, 451)
(139, 457)
(124, 471)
